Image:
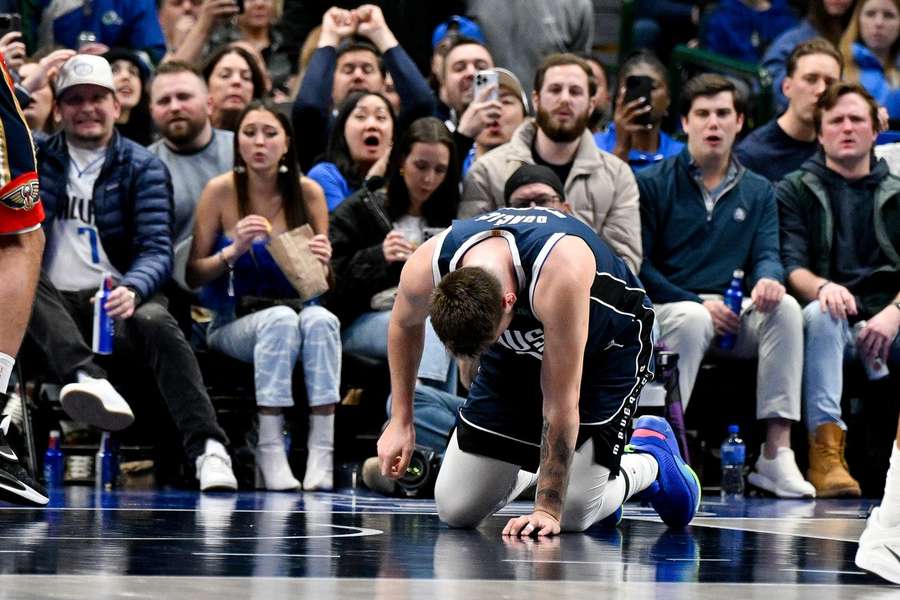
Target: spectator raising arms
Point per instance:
(234, 79)
(356, 49)
(375, 231)
(359, 146)
(870, 47)
(826, 18)
(258, 317)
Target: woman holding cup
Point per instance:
(375, 230)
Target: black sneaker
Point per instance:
(16, 485)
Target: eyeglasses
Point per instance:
(540, 200)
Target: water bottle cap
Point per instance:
(738, 274)
(733, 429)
(54, 434)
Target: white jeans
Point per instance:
(273, 339)
(775, 337)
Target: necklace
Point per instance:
(84, 170)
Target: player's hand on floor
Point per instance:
(537, 523)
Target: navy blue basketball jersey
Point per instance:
(617, 298)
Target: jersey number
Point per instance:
(92, 238)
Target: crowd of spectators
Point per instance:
(175, 139)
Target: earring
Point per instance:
(240, 169)
(282, 168)
(401, 171)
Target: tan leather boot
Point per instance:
(827, 467)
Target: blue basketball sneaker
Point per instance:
(675, 495)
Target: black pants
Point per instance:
(61, 321)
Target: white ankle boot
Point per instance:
(320, 461)
(272, 469)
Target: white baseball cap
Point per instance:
(84, 69)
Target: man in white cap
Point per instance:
(108, 205)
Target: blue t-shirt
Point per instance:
(333, 183)
(606, 141)
(772, 153)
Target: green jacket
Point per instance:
(807, 231)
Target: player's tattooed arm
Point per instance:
(556, 458)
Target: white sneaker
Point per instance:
(879, 549)
(780, 475)
(214, 469)
(96, 402)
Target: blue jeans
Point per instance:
(434, 416)
(827, 342)
(273, 339)
(368, 334)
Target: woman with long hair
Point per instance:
(375, 230)
(825, 18)
(870, 47)
(234, 79)
(258, 317)
(358, 148)
(130, 76)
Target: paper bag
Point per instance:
(301, 267)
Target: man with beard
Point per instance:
(600, 188)
(704, 216)
(191, 148)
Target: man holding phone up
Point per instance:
(599, 187)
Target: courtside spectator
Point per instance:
(703, 216)
(130, 75)
(108, 203)
(513, 110)
(601, 113)
(840, 243)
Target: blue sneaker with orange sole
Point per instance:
(675, 495)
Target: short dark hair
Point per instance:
(463, 41)
(358, 44)
(558, 60)
(833, 94)
(708, 84)
(814, 46)
(466, 309)
(175, 67)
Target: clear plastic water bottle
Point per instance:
(54, 463)
(733, 454)
(734, 297)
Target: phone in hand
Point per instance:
(484, 80)
(639, 86)
(10, 22)
(240, 6)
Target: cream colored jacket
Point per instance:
(600, 189)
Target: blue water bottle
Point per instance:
(103, 324)
(106, 464)
(54, 462)
(734, 297)
(733, 455)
